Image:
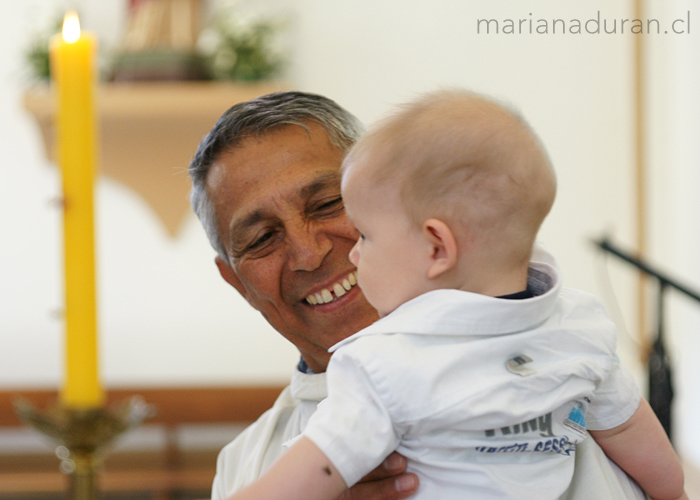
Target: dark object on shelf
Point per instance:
(158, 65)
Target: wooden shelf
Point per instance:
(149, 131)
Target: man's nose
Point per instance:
(308, 245)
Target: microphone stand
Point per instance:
(659, 363)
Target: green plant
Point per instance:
(244, 48)
(37, 52)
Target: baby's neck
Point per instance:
(496, 284)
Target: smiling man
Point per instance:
(286, 236)
(266, 187)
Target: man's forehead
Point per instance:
(320, 182)
(265, 176)
(225, 176)
(258, 158)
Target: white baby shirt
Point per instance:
(482, 395)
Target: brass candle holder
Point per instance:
(82, 437)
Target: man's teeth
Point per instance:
(334, 292)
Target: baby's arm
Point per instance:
(303, 472)
(642, 449)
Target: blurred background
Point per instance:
(165, 315)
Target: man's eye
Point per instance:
(330, 207)
(260, 241)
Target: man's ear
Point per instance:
(444, 247)
(231, 277)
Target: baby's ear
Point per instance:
(444, 247)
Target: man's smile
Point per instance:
(334, 292)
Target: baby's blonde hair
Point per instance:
(465, 159)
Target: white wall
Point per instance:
(166, 316)
(674, 204)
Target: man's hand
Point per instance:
(389, 481)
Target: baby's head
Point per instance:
(462, 182)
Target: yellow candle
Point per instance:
(73, 55)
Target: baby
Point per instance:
(483, 371)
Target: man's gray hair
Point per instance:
(254, 118)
